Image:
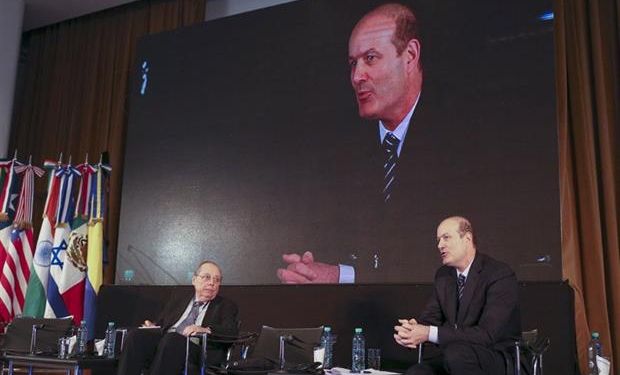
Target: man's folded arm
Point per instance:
(432, 314)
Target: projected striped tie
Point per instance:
(390, 148)
(460, 282)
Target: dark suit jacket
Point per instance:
(221, 317)
(388, 242)
(489, 309)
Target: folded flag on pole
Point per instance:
(8, 203)
(74, 270)
(36, 293)
(16, 271)
(66, 271)
(8, 195)
(95, 245)
(65, 288)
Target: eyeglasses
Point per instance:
(206, 277)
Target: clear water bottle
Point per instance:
(82, 338)
(358, 359)
(594, 349)
(110, 341)
(327, 345)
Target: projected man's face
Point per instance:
(378, 72)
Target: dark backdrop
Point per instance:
(237, 148)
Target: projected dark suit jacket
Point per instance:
(392, 241)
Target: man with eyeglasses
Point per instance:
(159, 345)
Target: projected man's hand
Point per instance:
(304, 270)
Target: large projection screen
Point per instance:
(245, 142)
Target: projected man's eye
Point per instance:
(145, 77)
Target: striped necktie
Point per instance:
(460, 282)
(191, 317)
(390, 149)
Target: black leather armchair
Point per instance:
(241, 342)
(528, 353)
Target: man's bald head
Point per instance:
(404, 19)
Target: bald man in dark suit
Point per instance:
(473, 315)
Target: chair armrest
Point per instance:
(241, 338)
(123, 332)
(421, 350)
(531, 347)
(203, 351)
(244, 340)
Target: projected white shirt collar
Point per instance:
(401, 130)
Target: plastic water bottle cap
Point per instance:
(358, 330)
(327, 329)
(595, 335)
(110, 324)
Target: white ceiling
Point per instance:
(40, 13)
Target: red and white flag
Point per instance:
(16, 269)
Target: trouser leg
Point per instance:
(170, 356)
(138, 351)
(471, 359)
(432, 363)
